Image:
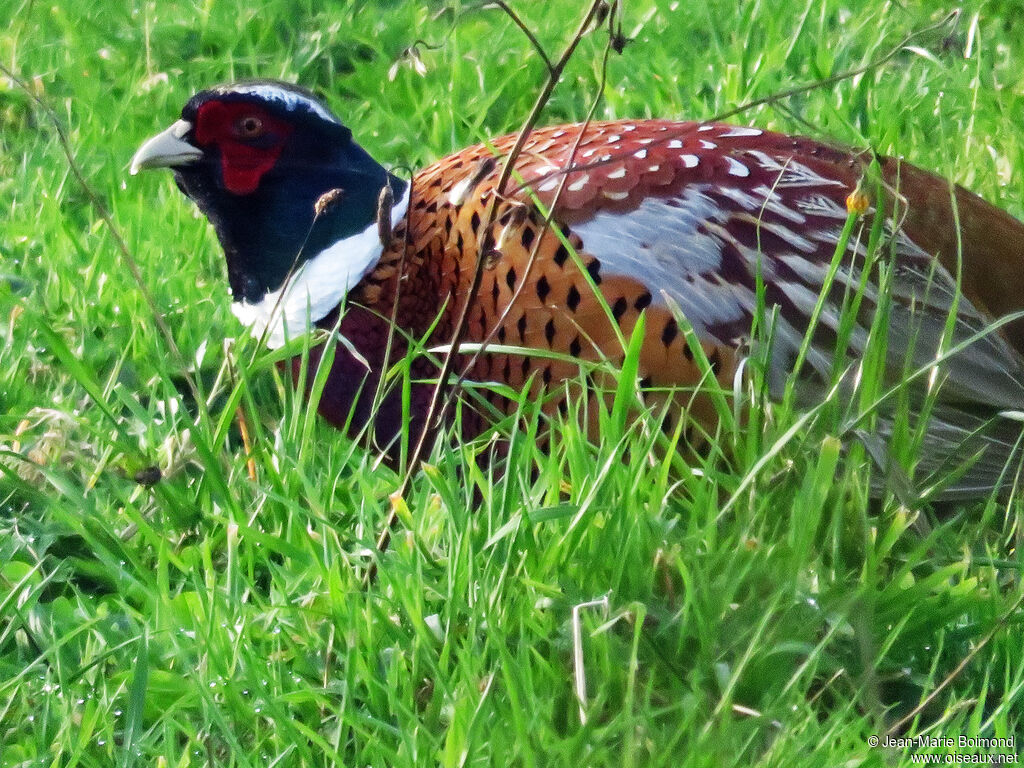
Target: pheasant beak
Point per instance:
(166, 150)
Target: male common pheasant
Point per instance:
(652, 216)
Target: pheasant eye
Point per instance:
(249, 127)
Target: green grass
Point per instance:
(760, 610)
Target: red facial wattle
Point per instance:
(245, 156)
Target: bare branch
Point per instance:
(526, 31)
(437, 409)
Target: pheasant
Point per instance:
(653, 218)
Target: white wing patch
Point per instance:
(664, 244)
(761, 198)
(820, 205)
(740, 131)
(736, 168)
(792, 173)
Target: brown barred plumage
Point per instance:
(651, 218)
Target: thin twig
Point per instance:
(436, 414)
(526, 31)
(499, 190)
(546, 224)
(946, 21)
